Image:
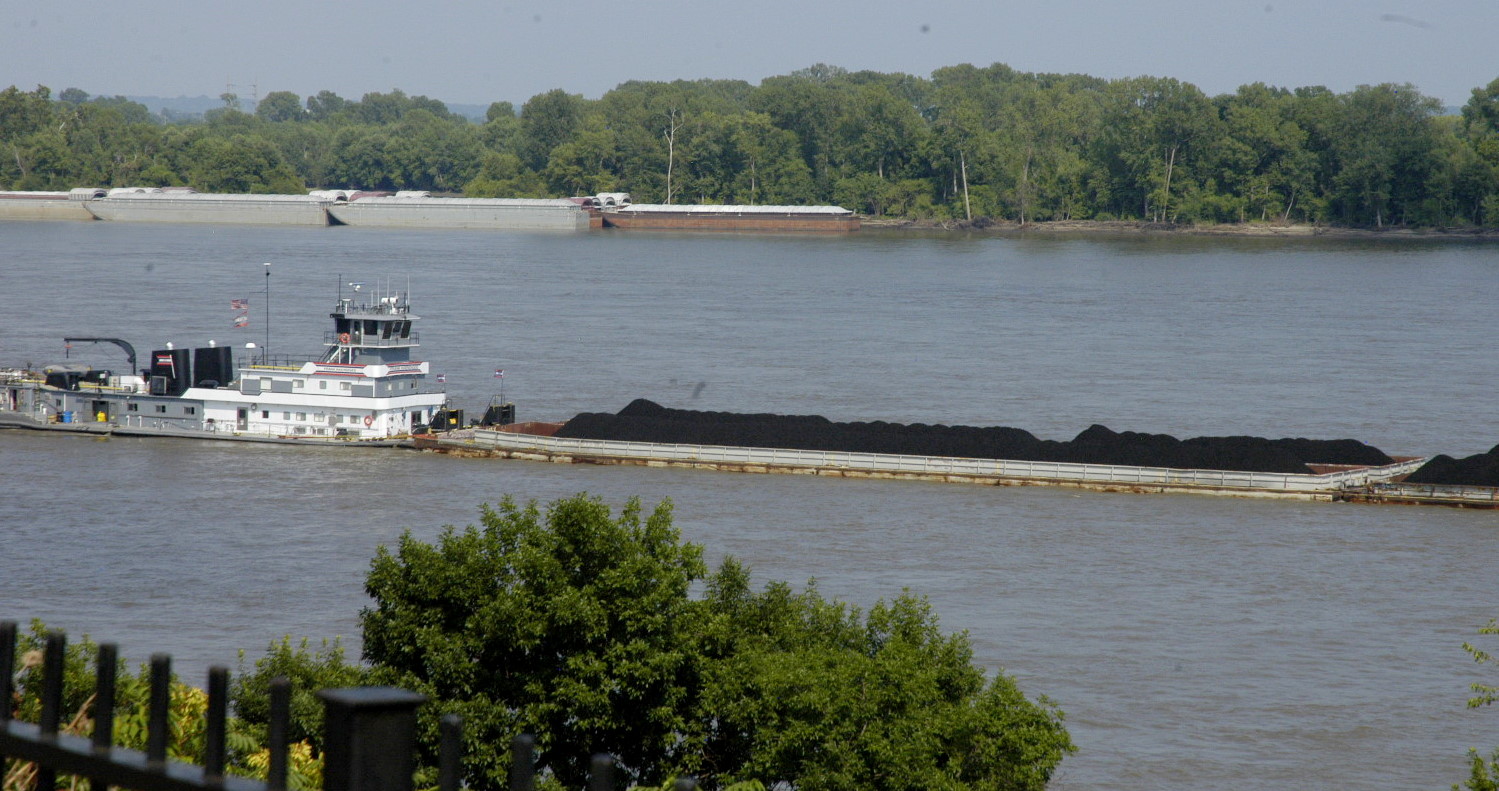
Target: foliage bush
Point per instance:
(577, 626)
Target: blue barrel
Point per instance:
(67, 417)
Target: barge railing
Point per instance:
(1105, 474)
(1441, 494)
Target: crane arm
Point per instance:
(129, 350)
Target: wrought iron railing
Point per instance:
(369, 735)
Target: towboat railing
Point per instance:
(335, 339)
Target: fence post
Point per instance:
(369, 741)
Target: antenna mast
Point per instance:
(266, 352)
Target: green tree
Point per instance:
(569, 625)
(807, 692)
(1480, 129)
(1154, 129)
(577, 625)
(808, 107)
(242, 163)
(279, 107)
(1484, 773)
(769, 170)
(1384, 149)
(882, 133)
(584, 165)
(325, 105)
(501, 175)
(308, 670)
(546, 121)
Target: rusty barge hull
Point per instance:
(756, 219)
(1398, 493)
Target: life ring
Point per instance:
(369, 420)
(343, 337)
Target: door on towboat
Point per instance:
(242, 419)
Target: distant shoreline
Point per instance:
(1126, 227)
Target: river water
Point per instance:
(1192, 641)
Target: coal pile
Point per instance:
(1481, 469)
(646, 421)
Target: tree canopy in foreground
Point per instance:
(582, 627)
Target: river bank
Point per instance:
(1124, 227)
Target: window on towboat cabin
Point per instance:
(322, 385)
(343, 385)
(265, 414)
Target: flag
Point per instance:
(240, 322)
(239, 304)
(442, 378)
(499, 373)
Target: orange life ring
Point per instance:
(369, 420)
(343, 337)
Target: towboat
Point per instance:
(365, 389)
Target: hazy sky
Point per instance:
(478, 52)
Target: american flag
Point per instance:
(239, 304)
(442, 378)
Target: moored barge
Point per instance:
(670, 217)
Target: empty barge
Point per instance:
(419, 210)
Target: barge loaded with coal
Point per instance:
(647, 434)
(364, 389)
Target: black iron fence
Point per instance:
(369, 736)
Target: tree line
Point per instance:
(966, 143)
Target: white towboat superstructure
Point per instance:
(364, 389)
